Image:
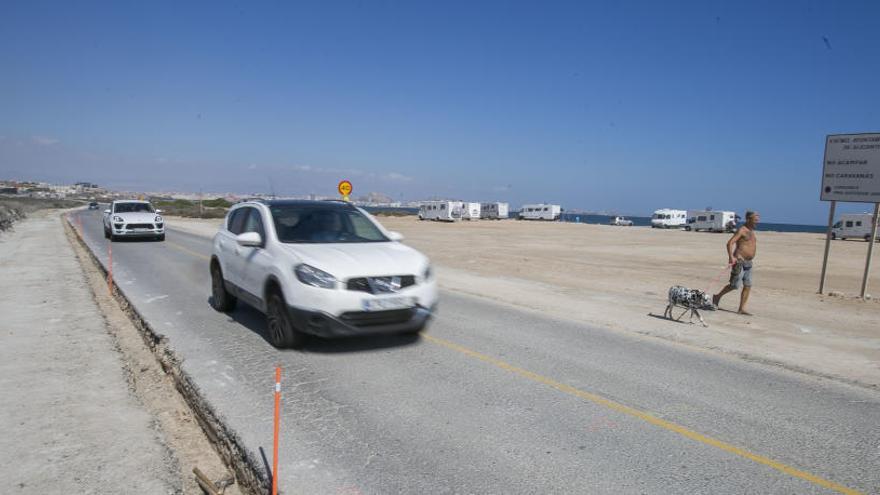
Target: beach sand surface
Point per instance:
(618, 277)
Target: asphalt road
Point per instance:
(497, 400)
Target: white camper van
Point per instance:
(853, 226)
(494, 211)
(540, 212)
(667, 218)
(470, 211)
(444, 211)
(711, 221)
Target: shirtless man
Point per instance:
(740, 252)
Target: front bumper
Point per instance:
(125, 231)
(360, 322)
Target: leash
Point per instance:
(717, 278)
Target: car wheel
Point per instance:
(868, 238)
(281, 332)
(113, 237)
(221, 299)
(160, 237)
(106, 233)
(833, 236)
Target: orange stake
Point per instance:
(110, 268)
(275, 437)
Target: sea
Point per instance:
(590, 218)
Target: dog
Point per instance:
(692, 300)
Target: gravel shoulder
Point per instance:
(70, 422)
(86, 407)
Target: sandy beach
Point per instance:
(618, 277)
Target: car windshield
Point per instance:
(133, 208)
(323, 224)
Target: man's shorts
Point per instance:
(741, 272)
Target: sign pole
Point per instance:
(827, 246)
(871, 242)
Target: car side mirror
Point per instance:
(106, 212)
(395, 236)
(249, 239)
(158, 212)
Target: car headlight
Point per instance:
(310, 275)
(157, 219)
(117, 219)
(429, 271)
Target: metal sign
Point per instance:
(851, 171)
(344, 189)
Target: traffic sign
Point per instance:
(345, 189)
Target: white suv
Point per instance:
(130, 218)
(323, 268)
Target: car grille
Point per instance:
(379, 285)
(374, 318)
(139, 226)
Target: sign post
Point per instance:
(827, 246)
(851, 173)
(345, 189)
(871, 243)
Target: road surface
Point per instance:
(497, 400)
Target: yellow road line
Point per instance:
(188, 250)
(667, 425)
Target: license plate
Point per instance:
(388, 303)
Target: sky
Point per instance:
(604, 106)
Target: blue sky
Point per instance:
(626, 106)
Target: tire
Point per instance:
(687, 229)
(221, 299)
(280, 329)
(833, 236)
(160, 237)
(106, 233)
(868, 238)
(113, 238)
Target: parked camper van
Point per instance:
(444, 211)
(667, 218)
(470, 211)
(853, 226)
(711, 221)
(494, 211)
(540, 212)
